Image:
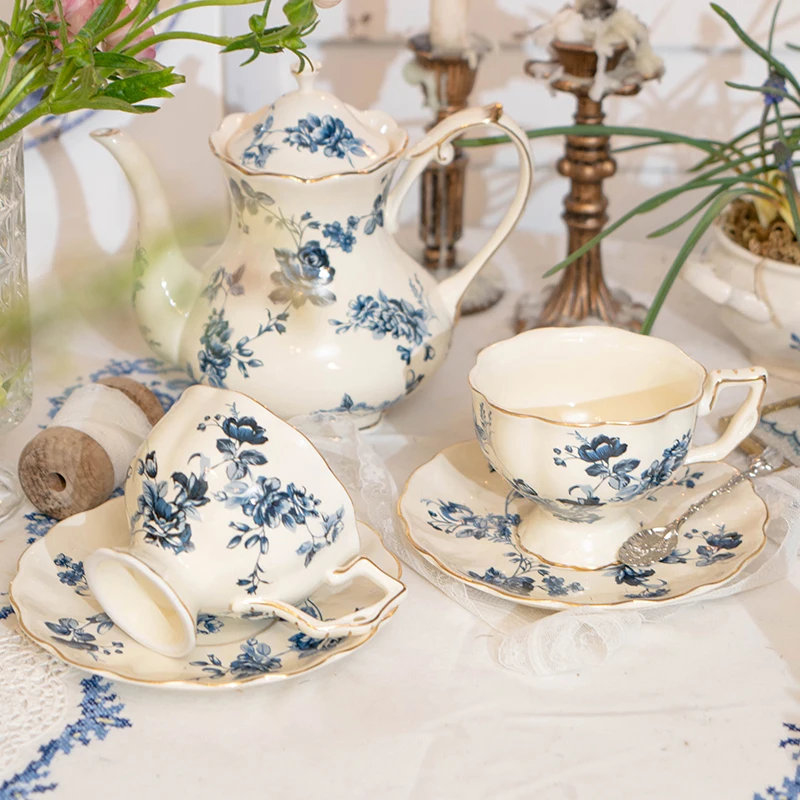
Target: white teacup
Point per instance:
(232, 512)
(587, 421)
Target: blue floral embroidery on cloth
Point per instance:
(38, 525)
(99, 714)
(162, 379)
(256, 658)
(790, 788)
(5, 611)
(792, 437)
(523, 572)
(312, 134)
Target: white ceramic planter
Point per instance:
(758, 300)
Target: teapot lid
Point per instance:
(309, 134)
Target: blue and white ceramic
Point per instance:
(758, 300)
(56, 608)
(585, 422)
(462, 517)
(231, 512)
(310, 305)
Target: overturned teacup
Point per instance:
(586, 422)
(232, 512)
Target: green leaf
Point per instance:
(300, 13)
(683, 254)
(143, 86)
(765, 90)
(778, 66)
(115, 104)
(121, 62)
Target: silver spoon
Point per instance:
(652, 544)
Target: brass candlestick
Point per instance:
(582, 294)
(447, 80)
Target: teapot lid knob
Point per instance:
(305, 79)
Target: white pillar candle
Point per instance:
(449, 29)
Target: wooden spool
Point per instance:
(64, 471)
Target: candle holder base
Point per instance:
(530, 313)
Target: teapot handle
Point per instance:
(358, 623)
(438, 145)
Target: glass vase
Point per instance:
(16, 382)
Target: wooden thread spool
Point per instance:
(64, 471)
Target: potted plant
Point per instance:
(750, 201)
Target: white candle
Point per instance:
(449, 29)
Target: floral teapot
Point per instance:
(310, 305)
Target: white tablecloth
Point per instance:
(696, 707)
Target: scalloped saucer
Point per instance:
(55, 608)
(462, 517)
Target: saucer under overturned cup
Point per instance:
(232, 512)
(588, 422)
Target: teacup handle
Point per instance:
(359, 622)
(742, 422)
(437, 145)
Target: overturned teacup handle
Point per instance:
(359, 622)
(742, 423)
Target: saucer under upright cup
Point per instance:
(464, 519)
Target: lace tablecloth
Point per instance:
(703, 704)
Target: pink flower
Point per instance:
(77, 13)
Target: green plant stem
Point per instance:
(707, 145)
(40, 110)
(25, 86)
(8, 51)
(137, 47)
(694, 237)
(753, 45)
(650, 205)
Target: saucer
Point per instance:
(462, 517)
(55, 608)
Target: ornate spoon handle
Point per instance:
(649, 545)
(769, 460)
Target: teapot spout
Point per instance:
(165, 283)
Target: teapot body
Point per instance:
(310, 305)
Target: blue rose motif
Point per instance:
(632, 576)
(329, 133)
(303, 276)
(255, 659)
(267, 505)
(516, 583)
(724, 541)
(244, 429)
(602, 448)
(315, 263)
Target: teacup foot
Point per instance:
(579, 545)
